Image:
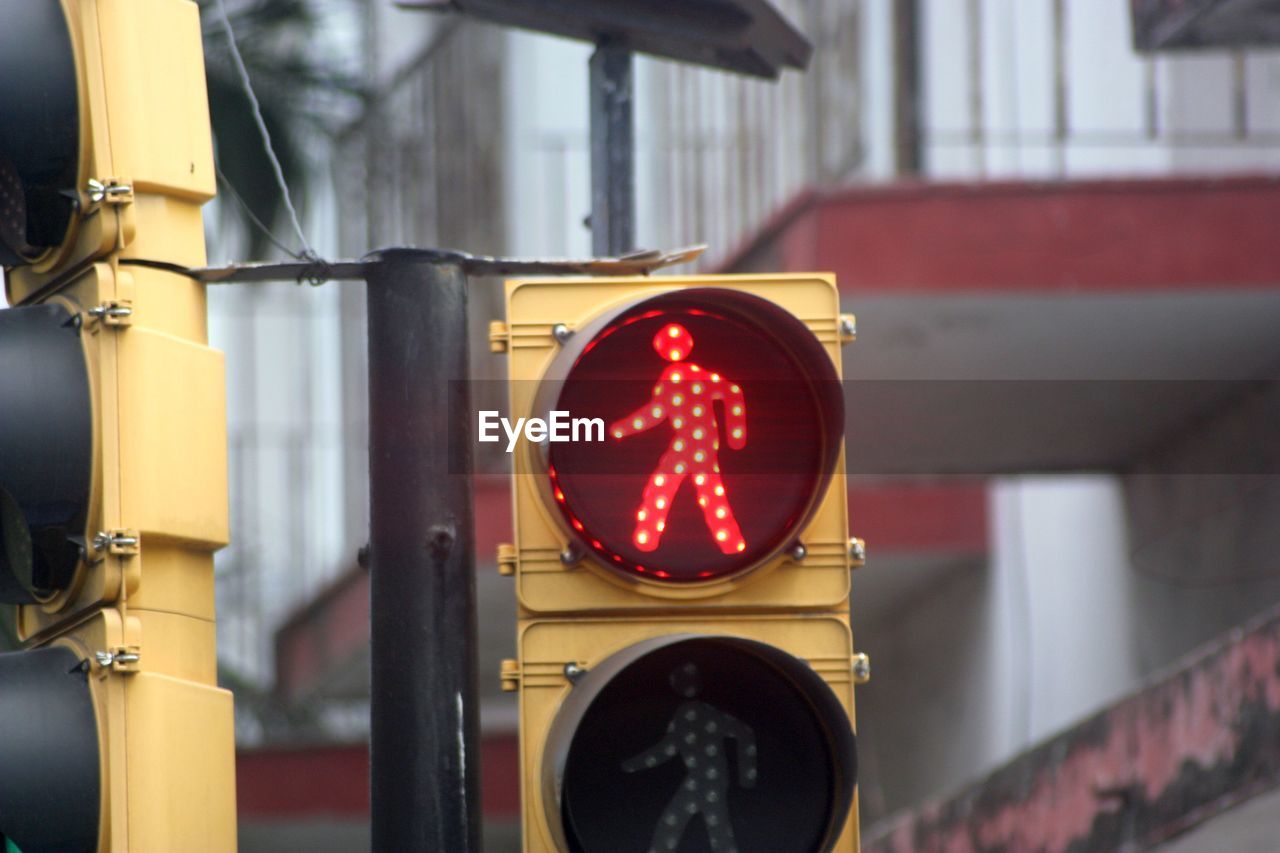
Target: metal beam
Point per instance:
(613, 178)
(424, 717)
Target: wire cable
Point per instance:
(238, 61)
(248, 211)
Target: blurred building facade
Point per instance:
(1007, 595)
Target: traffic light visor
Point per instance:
(722, 421)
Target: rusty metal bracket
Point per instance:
(635, 263)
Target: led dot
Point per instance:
(658, 479)
(660, 503)
(560, 496)
(737, 410)
(673, 331)
(720, 490)
(720, 513)
(715, 377)
(697, 433)
(677, 400)
(697, 389)
(642, 537)
(675, 355)
(662, 525)
(697, 411)
(679, 467)
(742, 546)
(715, 445)
(735, 389)
(657, 411)
(699, 456)
(677, 422)
(675, 377)
(702, 501)
(637, 423)
(617, 433)
(700, 479)
(577, 525)
(642, 515)
(716, 468)
(737, 433)
(722, 535)
(679, 445)
(657, 389)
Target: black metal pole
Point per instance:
(613, 179)
(423, 740)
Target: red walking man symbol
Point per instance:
(686, 396)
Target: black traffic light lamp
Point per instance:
(46, 451)
(49, 763)
(39, 132)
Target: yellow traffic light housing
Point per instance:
(136, 153)
(703, 537)
(111, 514)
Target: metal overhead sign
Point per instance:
(743, 36)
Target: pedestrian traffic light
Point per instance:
(681, 563)
(113, 733)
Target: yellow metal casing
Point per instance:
(140, 610)
(582, 614)
(543, 584)
(144, 122)
(546, 645)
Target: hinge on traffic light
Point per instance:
(507, 556)
(847, 328)
(510, 675)
(109, 191)
(113, 313)
(118, 543)
(861, 666)
(119, 659)
(857, 553)
(497, 336)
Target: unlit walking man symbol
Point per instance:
(697, 734)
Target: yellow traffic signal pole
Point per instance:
(138, 612)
